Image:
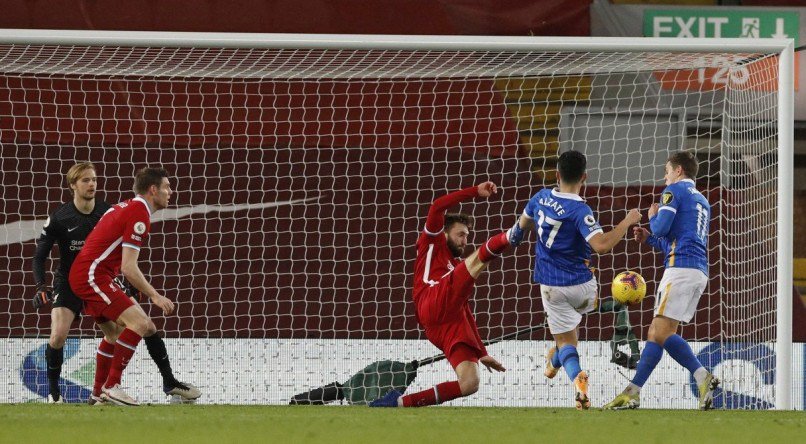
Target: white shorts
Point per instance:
(565, 305)
(679, 293)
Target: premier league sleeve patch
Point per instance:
(666, 198)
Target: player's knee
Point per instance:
(469, 384)
(57, 339)
(150, 329)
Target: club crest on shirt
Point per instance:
(666, 198)
(139, 228)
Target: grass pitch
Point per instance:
(24, 423)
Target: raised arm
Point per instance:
(436, 214)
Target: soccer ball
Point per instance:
(629, 288)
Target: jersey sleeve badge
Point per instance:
(666, 198)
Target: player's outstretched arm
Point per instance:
(604, 242)
(131, 271)
(642, 235)
(436, 214)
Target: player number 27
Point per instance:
(555, 227)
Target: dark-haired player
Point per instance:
(443, 283)
(111, 248)
(566, 232)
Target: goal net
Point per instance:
(304, 168)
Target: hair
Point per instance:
(76, 171)
(458, 218)
(571, 165)
(147, 177)
(687, 161)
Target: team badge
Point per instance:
(589, 220)
(666, 198)
(139, 228)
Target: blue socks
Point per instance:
(649, 360)
(569, 358)
(681, 352)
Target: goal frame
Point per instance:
(783, 47)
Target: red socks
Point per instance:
(103, 360)
(440, 393)
(493, 247)
(124, 350)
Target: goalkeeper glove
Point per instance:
(43, 296)
(128, 288)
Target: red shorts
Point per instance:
(105, 302)
(444, 314)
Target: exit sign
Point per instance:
(693, 23)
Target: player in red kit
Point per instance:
(443, 283)
(111, 248)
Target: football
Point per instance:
(629, 288)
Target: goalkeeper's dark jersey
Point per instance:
(69, 228)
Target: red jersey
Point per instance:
(124, 225)
(434, 261)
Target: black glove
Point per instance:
(127, 288)
(44, 296)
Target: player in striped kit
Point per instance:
(566, 231)
(679, 228)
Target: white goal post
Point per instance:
(305, 165)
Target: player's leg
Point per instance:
(465, 362)
(170, 385)
(137, 324)
(60, 320)
(491, 249)
(103, 357)
(688, 287)
(66, 307)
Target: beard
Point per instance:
(456, 250)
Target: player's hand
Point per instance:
(164, 303)
(127, 287)
(43, 296)
(633, 217)
(487, 189)
(653, 210)
(640, 234)
(492, 364)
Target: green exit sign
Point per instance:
(694, 23)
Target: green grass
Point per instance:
(183, 423)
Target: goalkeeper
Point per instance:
(68, 226)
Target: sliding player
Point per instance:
(680, 230)
(443, 283)
(566, 232)
(68, 227)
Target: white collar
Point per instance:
(691, 181)
(145, 202)
(556, 193)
